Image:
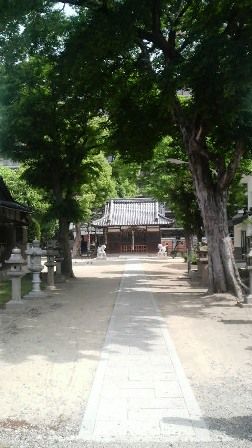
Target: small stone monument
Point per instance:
(15, 273)
(35, 267)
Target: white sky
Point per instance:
(67, 9)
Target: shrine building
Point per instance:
(132, 225)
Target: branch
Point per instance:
(180, 119)
(97, 3)
(144, 61)
(156, 36)
(182, 12)
(156, 23)
(230, 171)
(170, 44)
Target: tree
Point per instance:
(33, 69)
(98, 187)
(168, 179)
(108, 180)
(152, 52)
(126, 176)
(172, 183)
(51, 126)
(21, 190)
(141, 56)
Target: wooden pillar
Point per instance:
(133, 241)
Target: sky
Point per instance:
(68, 9)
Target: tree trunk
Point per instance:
(223, 273)
(77, 241)
(66, 267)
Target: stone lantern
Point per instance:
(15, 273)
(50, 263)
(35, 267)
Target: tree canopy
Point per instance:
(151, 55)
(49, 123)
(179, 68)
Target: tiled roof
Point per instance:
(132, 212)
(7, 201)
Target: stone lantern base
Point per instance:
(14, 305)
(36, 295)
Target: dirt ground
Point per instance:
(50, 350)
(210, 330)
(213, 338)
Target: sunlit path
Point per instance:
(140, 391)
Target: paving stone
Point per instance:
(117, 392)
(181, 428)
(113, 409)
(157, 414)
(167, 389)
(157, 403)
(153, 374)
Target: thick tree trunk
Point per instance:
(223, 273)
(66, 267)
(77, 241)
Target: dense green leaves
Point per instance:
(168, 179)
(21, 191)
(126, 177)
(39, 200)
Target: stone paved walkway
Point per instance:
(140, 391)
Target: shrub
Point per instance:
(193, 257)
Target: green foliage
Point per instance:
(135, 69)
(6, 289)
(129, 61)
(217, 67)
(140, 55)
(21, 191)
(152, 53)
(193, 257)
(51, 127)
(38, 199)
(98, 185)
(126, 176)
(173, 184)
(34, 230)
